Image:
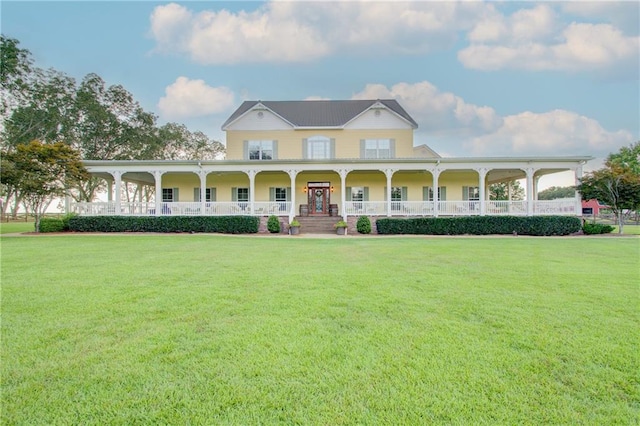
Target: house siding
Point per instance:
(347, 142)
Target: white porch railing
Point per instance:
(458, 208)
(108, 208)
(506, 208)
(352, 208)
(566, 206)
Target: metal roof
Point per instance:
(320, 113)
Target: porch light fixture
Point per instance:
(332, 189)
(304, 189)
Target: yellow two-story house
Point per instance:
(324, 159)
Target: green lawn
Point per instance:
(15, 227)
(201, 329)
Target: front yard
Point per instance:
(203, 329)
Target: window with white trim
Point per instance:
(281, 195)
(169, 195)
(357, 193)
(260, 150)
(377, 148)
(441, 193)
(242, 195)
(319, 148)
(210, 194)
(472, 193)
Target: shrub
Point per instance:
(273, 224)
(65, 220)
(51, 225)
(166, 224)
(481, 225)
(363, 225)
(596, 228)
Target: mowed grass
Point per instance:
(16, 227)
(201, 329)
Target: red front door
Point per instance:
(319, 197)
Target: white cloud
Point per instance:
(194, 98)
(534, 39)
(622, 14)
(435, 110)
(305, 31)
(454, 127)
(557, 132)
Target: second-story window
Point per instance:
(318, 148)
(377, 148)
(260, 150)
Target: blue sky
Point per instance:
(480, 78)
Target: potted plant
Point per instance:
(294, 227)
(341, 227)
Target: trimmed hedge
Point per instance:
(596, 228)
(48, 224)
(480, 225)
(166, 224)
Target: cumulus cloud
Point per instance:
(454, 127)
(194, 98)
(534, 39)
(622, 14)
(304, 31)
(436, 110)
(557, 132)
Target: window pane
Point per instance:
(167, 195)
(396, 193)
(260, 150)
(243, 194)
(357, 193)
(318, 147)
(281, 194)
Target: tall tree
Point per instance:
(15, 70)
(556, 192)
(617, 184)
(501, 190)
(42, 172)
(178, 143)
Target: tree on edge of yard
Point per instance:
(617, 184)
(41, 172)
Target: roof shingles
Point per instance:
(320, 113)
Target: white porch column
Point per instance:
(118, 178)
(292, 175)
(203, 190)
(482, 174)
(110, 190)
(578, 177)
(435, 173)
(157, 175)
(389, 173)
(530, 172)
(343, 192)
(252, 188)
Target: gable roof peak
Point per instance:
(321, 113)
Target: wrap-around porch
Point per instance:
(442, 187)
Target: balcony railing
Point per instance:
(352, 208)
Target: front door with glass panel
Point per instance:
(319, 197)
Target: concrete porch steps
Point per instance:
(318, 224)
